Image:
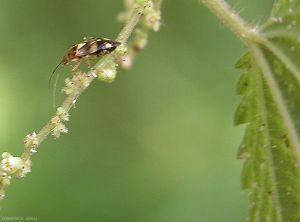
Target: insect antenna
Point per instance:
(55, 83)
(49, 82)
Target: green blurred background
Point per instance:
(157, 145)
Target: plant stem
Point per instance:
(71, 99)
(232, 20)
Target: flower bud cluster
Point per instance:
(57, 121)
(31, 141)
(108, 73)
(151, 21)
(79, 80)
(12, 166)
(152, 18)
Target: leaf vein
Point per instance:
(263, 66)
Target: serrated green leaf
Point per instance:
(247, 174)
(244, 62)
(243, 113)
(243, 85)
(271, 106)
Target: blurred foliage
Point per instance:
(156, 145)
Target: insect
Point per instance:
(89, 47)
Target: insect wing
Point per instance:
(107, 45)
(86, 48)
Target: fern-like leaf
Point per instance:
(270, 87)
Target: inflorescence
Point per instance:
(13, 166)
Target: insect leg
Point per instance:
(89, 62)
(75, 66)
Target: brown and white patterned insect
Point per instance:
(89, 47)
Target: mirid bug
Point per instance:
(89, 47)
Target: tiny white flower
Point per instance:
(62, 114)
(33, 150)
(58, 129)
(26, 168)
(11, 164)
(31, 140)
(126, 62)
(108, 74)
(153, 20)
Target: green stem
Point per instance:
(232, 20)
